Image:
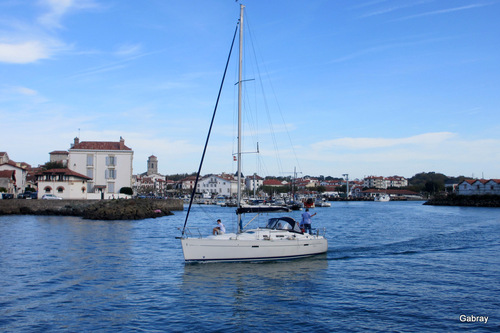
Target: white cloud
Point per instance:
(57, 9)
(128, 49)
(446, 11)
(370, 143)
(24, 91)
(444, 152)
(24, 52)
(24, 42)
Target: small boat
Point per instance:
(309, 203)
(382, 197)
(321, 202)
(281, 238)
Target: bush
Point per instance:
(126, 190)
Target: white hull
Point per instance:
(253, 245)
(382, 198)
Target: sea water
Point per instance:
(390, 267)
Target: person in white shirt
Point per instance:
(219, 229)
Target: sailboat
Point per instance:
(281, 238)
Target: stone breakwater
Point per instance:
(121, 209)
(485, 200)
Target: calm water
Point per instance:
(396, 266)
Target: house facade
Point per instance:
(217, 185)
(59, 156)
(396, 181)
(374, 182)
(20, 171)
(8, 181)
(479, 186)
(187, 184)
(107, 164)
(254, 182)
(150, 185)
(64, 183)
(384, 182)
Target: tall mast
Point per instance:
(239, 115)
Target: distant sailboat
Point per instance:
(281, 238)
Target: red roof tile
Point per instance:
(66, 172)
(100, 145)
(7, 174)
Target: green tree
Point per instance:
(53, 165)
(434, 187)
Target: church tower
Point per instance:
(152, 165)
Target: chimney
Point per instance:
(77, 141)
(122, 143)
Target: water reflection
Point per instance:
(259, 290)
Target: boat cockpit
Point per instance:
(283, 223)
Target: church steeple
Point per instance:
(152, 165)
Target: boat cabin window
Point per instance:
(281, 224)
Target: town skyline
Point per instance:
(383, 87)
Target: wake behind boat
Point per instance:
(281, 238)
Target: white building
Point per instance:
(216, 185)
(187, 184)
(254, 182)
(374, 182)
(396, 181)
(64, 183)
(465, 187)
(108, 164)
(492, 186)
(20, 171)
(479, 186)
(8, 181)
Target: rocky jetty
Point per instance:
(120, 209)
(485, 200)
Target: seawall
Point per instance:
(484, 200)
(121, 209)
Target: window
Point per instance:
(111, 187)
(90, 160)
(60, 189)
(90, 173)
(90, 186)
(48, 189)
(110, 160)
(110, 174)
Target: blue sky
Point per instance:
(375, 87)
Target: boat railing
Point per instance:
(319, 231)
(192, 233)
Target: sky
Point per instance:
(368, 87)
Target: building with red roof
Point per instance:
(108, 164)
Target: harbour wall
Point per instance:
(93, 209)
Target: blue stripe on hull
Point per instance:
(253, 259)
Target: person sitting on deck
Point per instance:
(219, 229)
